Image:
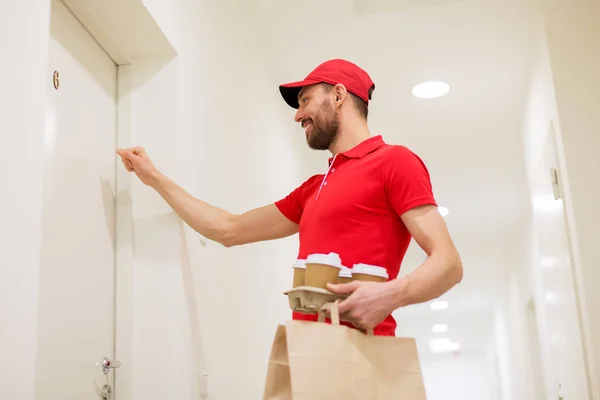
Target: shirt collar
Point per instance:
(362, 149)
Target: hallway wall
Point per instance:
(229, 139)
(574, 47)
(564, 91)
(24, 29)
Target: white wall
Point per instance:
(510, 335)
(573, 43)
(220, 129)
(539, 110)
(24, 40)
(564, 86)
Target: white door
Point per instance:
(558, 282)
(76, 303)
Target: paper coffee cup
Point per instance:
(322, 269)
(299, 272)
(372, 273)
(345, 275)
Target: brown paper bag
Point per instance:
(318, 361)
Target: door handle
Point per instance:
(560, 394)
(106, 393)
(107, 364)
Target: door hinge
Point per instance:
(556, 189)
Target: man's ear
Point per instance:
(339, 94)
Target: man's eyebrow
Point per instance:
(301, 94)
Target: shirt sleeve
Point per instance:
(407, 180)
(292, 206)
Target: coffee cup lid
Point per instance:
(345, 272)
(300, 264)
(332, 259)
(370, 270)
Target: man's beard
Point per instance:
(325, 128)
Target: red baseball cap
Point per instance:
(355, 79)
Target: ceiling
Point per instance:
(470, 139)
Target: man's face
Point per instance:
(318, 117)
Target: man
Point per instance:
(371, 201)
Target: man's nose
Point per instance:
(299, 116)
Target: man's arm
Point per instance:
(442, 269)
(264, 223)
(371, 302)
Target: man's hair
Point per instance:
(361, 106)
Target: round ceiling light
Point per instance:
(431, 90)
(439, 305)
(443, 345)
(443, 211)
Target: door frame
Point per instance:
(109, 22)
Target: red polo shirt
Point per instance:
(354, 209)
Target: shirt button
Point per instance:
(325, 184)
(332, 169)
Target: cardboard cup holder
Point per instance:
(309, 300)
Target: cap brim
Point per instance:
(290, 91)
